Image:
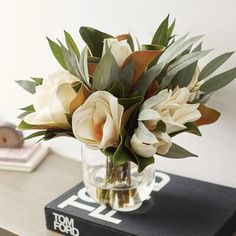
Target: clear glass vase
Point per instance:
(120, 187)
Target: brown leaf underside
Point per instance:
(142, 59)
(209, 115)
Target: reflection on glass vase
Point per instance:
(120, 187)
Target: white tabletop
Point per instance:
(24, 195)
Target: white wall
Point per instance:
(24, 52)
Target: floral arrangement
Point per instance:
(125, 99)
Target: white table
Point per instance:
(24, 195)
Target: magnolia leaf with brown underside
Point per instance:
(81, 96)
(208, 115)
(142, 59)
(152, 89)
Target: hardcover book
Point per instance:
(177, 206)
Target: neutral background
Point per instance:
(24, 52)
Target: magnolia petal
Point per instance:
(157, 99)
(144, 150)
(110, 136)
(186, 113)
(144, 135)
(39, 118)
(172, 127)
(164, 143)
(148, 114)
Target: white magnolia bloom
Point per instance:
(97, 122)
(52, 100)
(119, 49)
(193, 86)
(170, 108)
(146, 143)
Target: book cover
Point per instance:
(178, 206)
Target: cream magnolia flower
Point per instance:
(119, 49)
(170, 108)
(146, 143)
(52, 100)
(97, 122)
(194, 85)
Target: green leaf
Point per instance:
(180, 64)
(122, 153)
(178, 47)
(143, 162)
(170, 30)
(176, 152)
(109, 151)
(25, 113)
(214, 65)
(117, 89)
(67, 58)
(29, 86)
(127, 75)
(185, 76)
(160, 37)
(219, 81)
(190, 127)
(28, 108)
(161, 127)
(131, 100)
(153, 47)
(106, 72)
(57, 52)
(94, 39)
(71, 43)
(38, 81)
(173, 51)
(36, 134)
(24, 126)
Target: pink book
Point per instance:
(22, 154)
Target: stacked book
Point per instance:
(15, 154)
(24, 158)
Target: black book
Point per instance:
(178, 206)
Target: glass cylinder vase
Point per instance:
(122, 187)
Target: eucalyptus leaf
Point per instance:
(57, 52)
(71, 43)
(214, 65)
(143, 162)
(106, 72)
(66, 55)
(29, 86)
(25, 113)
(185, 76)
(219, 81)
(180, 64)
(177, 152)
(94, 39)
(83, 65)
